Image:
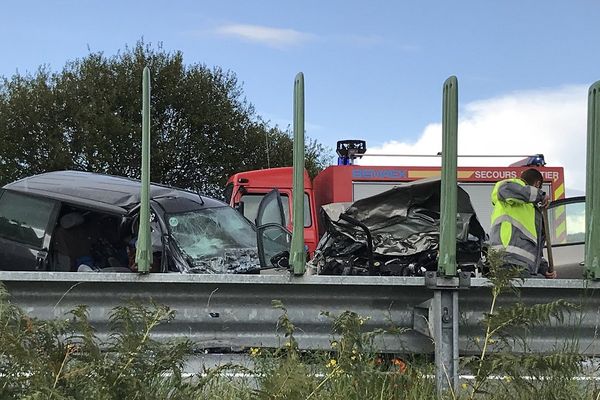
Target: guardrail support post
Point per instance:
(143, 255)
(445, 332)
(592, 192)
(297, 251)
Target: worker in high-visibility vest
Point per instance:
(517, 227)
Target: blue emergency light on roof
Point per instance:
(349, 150)
(536, 160)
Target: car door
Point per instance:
(566, 223)
(273, 239)
(26, 224)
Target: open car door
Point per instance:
(566, 222)
(273, 239)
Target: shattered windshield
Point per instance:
(216, 240)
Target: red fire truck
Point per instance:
(347, 182)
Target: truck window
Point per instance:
(251, 202)
(481, 199)
(24, 219)
(362, 190)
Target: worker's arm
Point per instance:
(514, 193)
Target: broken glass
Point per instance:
(215, 240)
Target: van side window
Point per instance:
(24, 219)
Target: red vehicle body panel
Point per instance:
(334, 184)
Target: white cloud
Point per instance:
(273, 37)
(549, 121)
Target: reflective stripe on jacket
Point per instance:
(516, 227)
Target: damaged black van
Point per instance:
(80, 221)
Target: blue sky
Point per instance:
(373, 69)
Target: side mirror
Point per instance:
(239, 207)
(274, 243)
(281, 260)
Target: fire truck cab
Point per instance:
(245, 190)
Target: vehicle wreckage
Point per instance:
(395, 233)
(80, 221)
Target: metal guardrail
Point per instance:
(222, 311)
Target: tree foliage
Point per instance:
(88, 117)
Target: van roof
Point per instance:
(110, 193)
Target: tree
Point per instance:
(88, 117)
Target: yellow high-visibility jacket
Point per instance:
(516, 228)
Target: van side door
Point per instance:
(26, 224)
(566, 223)
(273, 239)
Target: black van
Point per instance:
(80, 221)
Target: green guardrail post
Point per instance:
(143, 255)
(447, 261)
(592, 187)
(444, 304)
(297, 251)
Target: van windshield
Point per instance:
(215, 240)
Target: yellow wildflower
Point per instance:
(332, 363)
(254, 351)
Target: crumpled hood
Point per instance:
(403, 222)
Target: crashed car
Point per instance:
(79, 221)
(395, 233)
